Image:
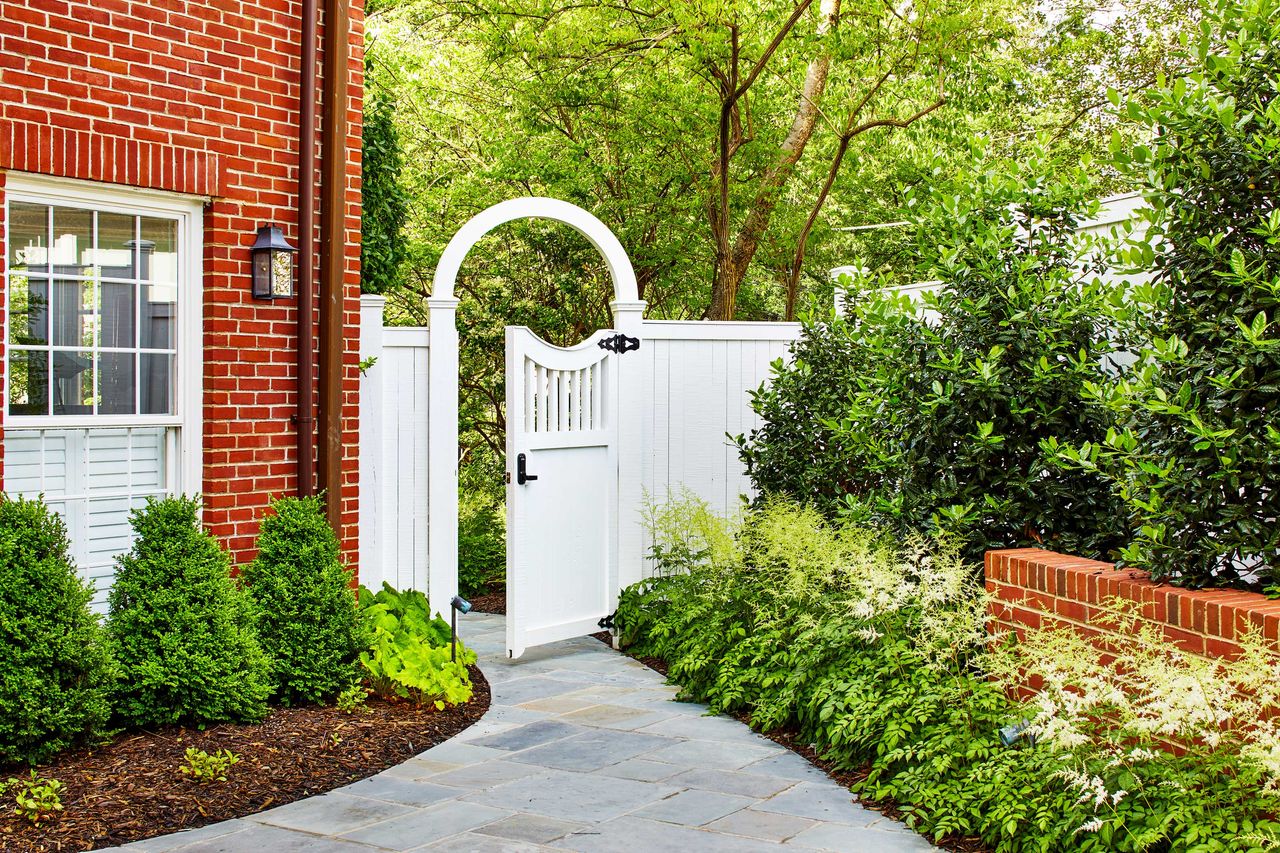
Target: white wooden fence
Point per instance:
(697, 379)
(694, 384)
(393, 451)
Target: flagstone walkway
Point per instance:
(582, 749)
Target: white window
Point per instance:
(102, 373)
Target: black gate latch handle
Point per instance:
(521, 476)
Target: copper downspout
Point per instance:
(307, 252)
(333, 251)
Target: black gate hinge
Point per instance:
(620, 343)
(606, 622)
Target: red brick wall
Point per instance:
(200, 98)
(1031, 588)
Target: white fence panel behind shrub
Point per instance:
(696, 393)
(393, 452)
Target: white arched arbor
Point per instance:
(628, 318)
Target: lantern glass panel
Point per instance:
(282, 274)
(262, 274)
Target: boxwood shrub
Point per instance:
(305, 604)
(55, 671)
(180, 628)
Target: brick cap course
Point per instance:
(1031, 587)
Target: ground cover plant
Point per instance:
(411, 655)
(304, 604)
(931, 417)
(203, 766)
(36, 799)
(875, 652)
(180, 628)
(55, 670)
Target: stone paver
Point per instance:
(694, 807)
(582, 749)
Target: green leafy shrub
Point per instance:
(55, 670)
(410, 656)
(1196, 455)
(482, 545)
(35, 798)
(180, 628)
(385, 204)
(876, 653)
(306, 608)
(203, 767)
(930, 418)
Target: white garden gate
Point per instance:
(562, 487)
(641, 408)
(559, 584)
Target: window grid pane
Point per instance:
(98, 335)
(93, 298)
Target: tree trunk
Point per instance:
(850, 131)
(735, 251)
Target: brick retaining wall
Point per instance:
(1032, 587)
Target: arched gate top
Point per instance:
(624, 277)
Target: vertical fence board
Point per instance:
(394, 460)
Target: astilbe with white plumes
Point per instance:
(883, 585)
(1144, 702)
(927, 585)
(804, 566)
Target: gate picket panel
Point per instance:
(562, 572)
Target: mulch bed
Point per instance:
(844, 778)
(490, 602)
(131, 788)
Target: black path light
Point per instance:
(272, 264)
(457, 605)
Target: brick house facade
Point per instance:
(192, 109)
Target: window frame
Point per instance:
(189, 345)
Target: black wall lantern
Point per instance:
(272, 264)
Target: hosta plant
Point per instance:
(410, 656)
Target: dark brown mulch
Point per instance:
(845, 778)
(131, 788)
(490, 602)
